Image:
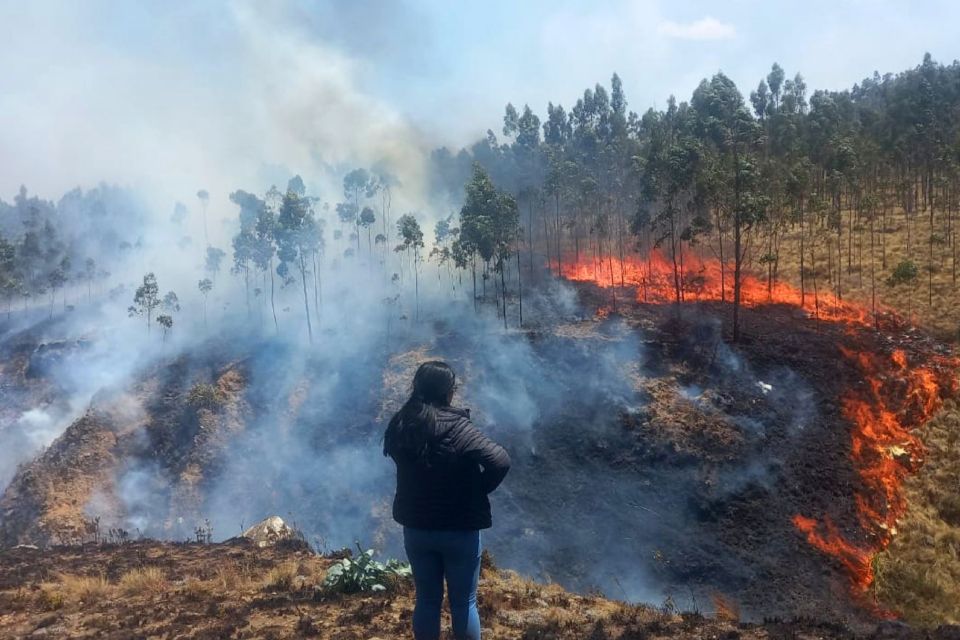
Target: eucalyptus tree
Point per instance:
(245, 241)
(366, 219)
(213, 260)
(165, 321)
(358, 185)
(262, 250)
(9, 278)
(204, 196)
(489, 226)
(298, 237)
(146, 299)
(734, 136)
(411, 237)
(205, 286)
(671, 160)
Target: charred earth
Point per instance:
(653, 461)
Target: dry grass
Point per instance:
(143, 581)
(512, 607)
(282, 577)
(942, 314)
(50, 598)
(197, 590)
(86, 589)
(229, 577)
(919, 573)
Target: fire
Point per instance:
(895, 398)
(705, 280)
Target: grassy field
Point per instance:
(931, 299)
(919, 573)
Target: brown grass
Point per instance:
(229, 577)
(512, 607)
(143, 581)
(50, 598)
(197, 590)
(941, 315)
(86, 589)
(282, 577)
(919, 573)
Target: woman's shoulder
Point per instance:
(452, 420)
(454, 413)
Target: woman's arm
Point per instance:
(478, 448)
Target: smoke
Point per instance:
(170, 100)
(300, 437)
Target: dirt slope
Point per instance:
(234, 590)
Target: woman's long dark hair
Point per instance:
(413, 427)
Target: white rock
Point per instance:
(268, 532)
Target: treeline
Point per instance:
(52, 249)
(828, 177)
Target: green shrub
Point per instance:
(205, 396)
(363, 573)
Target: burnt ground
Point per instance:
(652, 462)
(235, 590)
(808, 468)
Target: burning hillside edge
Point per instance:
(898, 393)
(654, 461)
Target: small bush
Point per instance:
(195, 589)
(50, 599)
(205, 396)
(282, 577)
(904, 273)
(228, 577)
(148, 580)
(363, 573)
(87, 589)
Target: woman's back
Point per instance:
(445, 469)
(446, 487)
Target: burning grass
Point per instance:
(918, 575)
(897, 393)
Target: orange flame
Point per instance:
(704, 281)
(896, 399)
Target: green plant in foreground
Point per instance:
(363, 573)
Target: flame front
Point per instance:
(705, 280)
(895, 399)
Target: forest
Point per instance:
(852, 192)
(844, 194)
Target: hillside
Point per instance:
(637, 438)
(235, 590)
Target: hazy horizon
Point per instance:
(227, 93)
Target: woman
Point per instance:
(445, 469)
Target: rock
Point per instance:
(269, 532)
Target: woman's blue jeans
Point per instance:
(434, 555)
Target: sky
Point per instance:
(230, 93)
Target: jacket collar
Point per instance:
(463, 413)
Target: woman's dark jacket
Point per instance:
(447, 487)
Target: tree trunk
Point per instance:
(306, 299)
(273, 305)
(520, 285)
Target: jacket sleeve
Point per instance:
(478, 448)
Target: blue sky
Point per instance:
(148, 91)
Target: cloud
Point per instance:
(703, 29)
